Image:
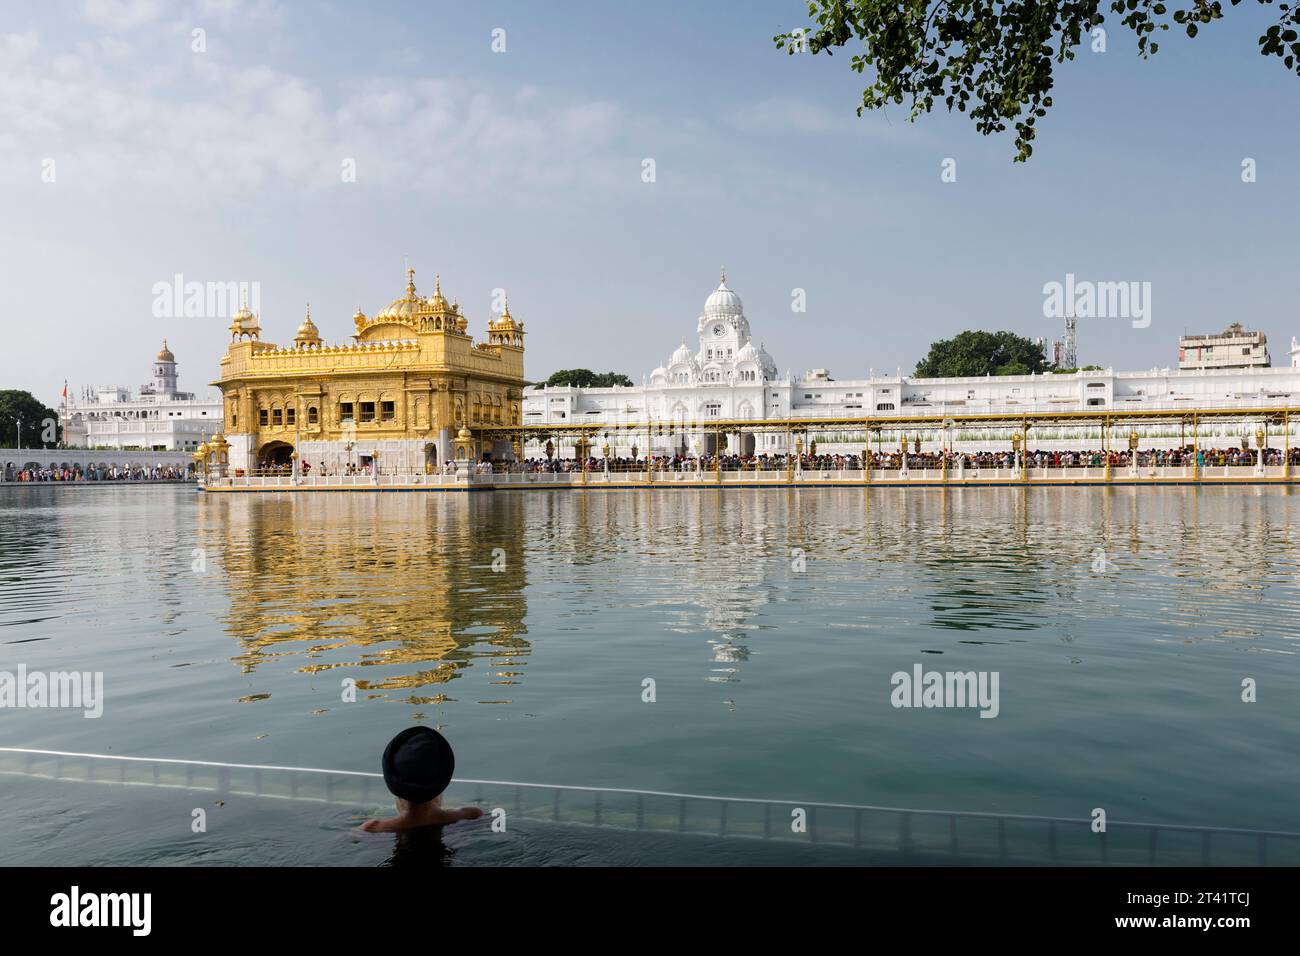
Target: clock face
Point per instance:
(719, 329)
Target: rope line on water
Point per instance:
(663, 793)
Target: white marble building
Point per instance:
(724, 375)
(157, 417)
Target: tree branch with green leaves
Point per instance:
(995, 61)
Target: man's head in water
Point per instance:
(418, 764)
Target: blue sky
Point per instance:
(522, 170)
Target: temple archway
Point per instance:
(275, 454)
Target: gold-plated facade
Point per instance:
(399, 397)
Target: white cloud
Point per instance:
(121, 14)
(229, 11)
(180, 121)
(786, 113)
(789, 114)
(18, 47)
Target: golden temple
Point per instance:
(409, 393)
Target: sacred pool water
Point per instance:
(1129, 650)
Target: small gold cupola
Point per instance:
(245, 324)
(504, 330)
(308, 334)
(436, 303)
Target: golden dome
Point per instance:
(404, 307)
(436, 302)
(411, 307)
(165, 354)
(464, 434)
(505, 320)
(244, 322)
(401, 309)
(308, 334)
(218, 442)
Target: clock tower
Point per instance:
(723, 330)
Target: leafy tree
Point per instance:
(995, 58)
(971, 354)
(586, 378)
(35, 418)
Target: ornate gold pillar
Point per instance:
(1196, 450)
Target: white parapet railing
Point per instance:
(357, 482)
(598, 478)
(887, 833)
(890, 476)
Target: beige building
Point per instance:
(410, 391)
(1234, 347)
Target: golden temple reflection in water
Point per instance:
(369, 581)
(405, 582)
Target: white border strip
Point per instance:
(664, 793)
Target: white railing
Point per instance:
(906, 835)
(810, 476)
(359, 482)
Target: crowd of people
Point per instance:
(1156, 457)
(95, 473)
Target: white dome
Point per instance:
(683, 355)
(748, 353)
(722, 302)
